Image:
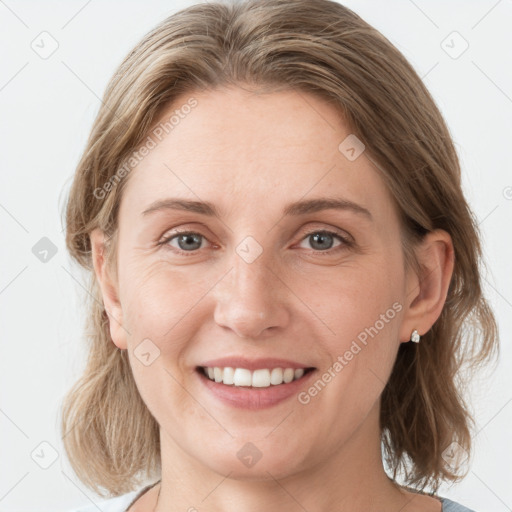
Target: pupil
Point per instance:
(189, 241)
(322, 236)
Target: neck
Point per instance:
(351, 478)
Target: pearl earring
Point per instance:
(415, 337)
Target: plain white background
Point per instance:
(47, 108)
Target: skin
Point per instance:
(250, 154)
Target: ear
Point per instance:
(109, 289)
(426, 293)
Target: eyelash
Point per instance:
(346, 243)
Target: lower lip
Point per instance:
(244, 397)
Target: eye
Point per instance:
(186, 241)
(322, 240)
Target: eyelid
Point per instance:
(166, 238)
(172, 232)
(346, 239)
(345, 235)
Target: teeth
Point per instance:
(261, 378)
(217, 374)
(228, 376)
(288, 375)
(242, 377)
(276, 376)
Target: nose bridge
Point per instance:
(248, 300)
(252, 279)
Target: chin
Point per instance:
(260, 472)
(249, 462)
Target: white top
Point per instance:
(117, 504)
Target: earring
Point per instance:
(415, 337)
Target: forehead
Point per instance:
(243, 149)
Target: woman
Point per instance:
(284, 269)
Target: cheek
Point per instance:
(362, 306)
(161, 311)
(161, 304)
(355, 297)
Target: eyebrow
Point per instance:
(297, 208)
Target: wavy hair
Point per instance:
(318, 47)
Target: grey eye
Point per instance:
(321, 240)
(187, 241)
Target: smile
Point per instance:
(260, 378)
(245, 395)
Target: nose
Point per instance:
(251, 299)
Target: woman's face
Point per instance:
(273, 276)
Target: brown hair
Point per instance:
(322, 48)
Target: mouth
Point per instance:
(260, 378)
(253, 390)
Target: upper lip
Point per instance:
(253, 364)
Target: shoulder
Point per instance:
(117, 504)
(452, 506)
